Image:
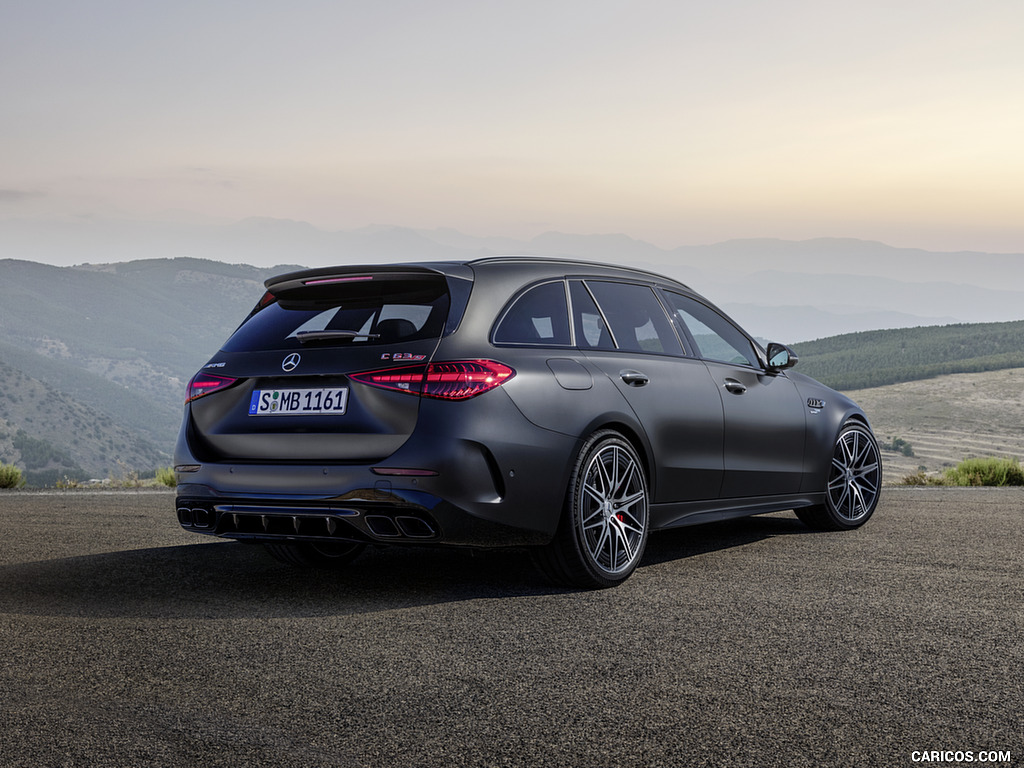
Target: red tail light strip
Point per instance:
(454, 380)
(205, 383)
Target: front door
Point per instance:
(764, 418)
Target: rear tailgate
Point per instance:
(284, 388)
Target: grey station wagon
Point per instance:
(567, 406)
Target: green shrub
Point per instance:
(898, 445)
(987, 472)
(10, 476)
(166, 476)
(973, 472)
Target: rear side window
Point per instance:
(637, 319)
(357, 314)
(540, 316)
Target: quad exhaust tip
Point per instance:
(195, 517)
(401, 526)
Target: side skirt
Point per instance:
(678, 515)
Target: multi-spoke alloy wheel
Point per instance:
(612, 513)
(856, 475)
(604, 529)
(854, 482)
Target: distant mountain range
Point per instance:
(106, 347)
(792, 291)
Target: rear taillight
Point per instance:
(205, 383)
(462, 379)
(455, 380)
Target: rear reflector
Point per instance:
(205, 383)
(402, 472)
(455, 380)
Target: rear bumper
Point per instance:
(367, 516)
(485, 477)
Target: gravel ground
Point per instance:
(128, 642)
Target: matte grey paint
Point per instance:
(502, 460)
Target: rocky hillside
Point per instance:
(52, 437)
(95, 359)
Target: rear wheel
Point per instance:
(329, 555)
(604, 526)
(854, 482)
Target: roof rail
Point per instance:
(512, 259)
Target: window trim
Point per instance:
(572, 316)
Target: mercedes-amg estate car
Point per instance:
(509, 401)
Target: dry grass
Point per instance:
(948, 419)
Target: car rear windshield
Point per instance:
(359, 313)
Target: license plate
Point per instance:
(298, 402)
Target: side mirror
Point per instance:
(781, 357)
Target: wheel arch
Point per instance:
(634, 436)
(855, 415)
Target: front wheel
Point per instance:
(604, 526)
(854, 482)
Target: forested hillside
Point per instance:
(877, 358)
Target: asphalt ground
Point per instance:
(125, 641)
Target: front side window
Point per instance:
(716, 338)
(637, 319)
(540, 316)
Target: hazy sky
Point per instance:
(675, 122)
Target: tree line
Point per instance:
(876, 358)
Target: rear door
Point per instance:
(291, 394)
(623, 329)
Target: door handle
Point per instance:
(634, 378)
(735, 387)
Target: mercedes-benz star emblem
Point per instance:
(291, 362)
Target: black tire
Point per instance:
(329, 555)
(605, 522)
(854, 482)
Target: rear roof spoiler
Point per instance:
(325, 275)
